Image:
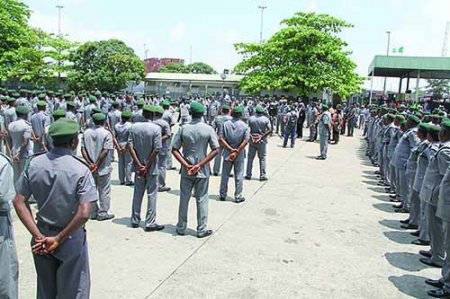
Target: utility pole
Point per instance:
(387, 54)
(447, 32)
(145, 51)
(262, 7)
(59, 7)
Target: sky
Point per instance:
(171, 28)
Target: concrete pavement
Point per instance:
(316, 228)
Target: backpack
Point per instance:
(292, 120)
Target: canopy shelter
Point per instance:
(409, 67)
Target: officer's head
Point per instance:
(259, 109)
(444, 133)
(413, 121)
(398, 119)
(64, 133)
(197, 110)
(422, 131)
(225, 110)
(58, 114)
(22, 112)
(148, 111)
(99, 119)
(71, 106)
(238, 111)
(41, 105)
(159, 111)
(126, 115)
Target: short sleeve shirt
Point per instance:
(96, 140)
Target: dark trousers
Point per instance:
(300, 128)
(289, 133)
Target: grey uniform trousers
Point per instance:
(125, 165)
(238, 177)
(261, 150)
(9, 269)
(324, 144)
(65, 272)
(147, 183)
(169, 163)
(414, 211)
(162, 166)
(393, 177)
(200, 186)
(312, 131)
(436, 235)
(218, 161)
(423, 224)
(103, 184)
(445, 272)
(382, 161)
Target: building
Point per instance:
(154, 64)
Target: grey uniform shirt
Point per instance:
(324, 123)
(219, 121)
(59, 182)
(114, 117)
(39, 121)
(165, 131)
(422, 163)
(195, 137)
(96, 140)
(406, 143)
(145, 137)
(168, 117)
(7, 191)
(234, 131)
(10, 115)
(443, 210)
(122, 131)
(20, 132)
(259, 125)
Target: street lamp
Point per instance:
(59, 7)
(387, 54)
(262, 7)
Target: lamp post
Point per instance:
(59, 7)
(262, 7)
(387, 54)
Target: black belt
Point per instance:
(4, 213)
(49, 227)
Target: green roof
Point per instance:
(404, 66)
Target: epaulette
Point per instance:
(80, 160)
(27, 164)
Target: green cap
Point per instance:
(41, 96)
(22, 110)
(16, 95)
(389, 116)
(149, 108)
(434, 129)
(67, 95)
(126, 114)
(99, 117)
(98, 93)
(59, 113)
(403, 123)
(159, 110)
(166, 103)
(238, 109)
(96, 110)
(41, 104)
(115, 104)
(63, 128)
(424, 127)
(400, 117)
(140, 103)
(259, 109)
(445, 124)
(414, 119)
(11, 100)
(92, 99)
(226, 108)
(324, 106)
(197, 108)
(71, 104)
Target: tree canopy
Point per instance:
(174, 67)
(306, 55)
(438, 88)
(196, 68)
(107, 65)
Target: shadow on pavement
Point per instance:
(372, 183)
(405, 260)
(174, 192)
(401, 237)
(386, 207)
(410, 285)
(394, 224)
(384, 198)
(122, 221)
(377, 189)
(172, 230)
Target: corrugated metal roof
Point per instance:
(192, 77)
(402, 66)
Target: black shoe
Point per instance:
(378, 172)
(216, 174)
(172, 168)
(415, 234)
(320, 158)
(393, 196)
(425, 253)
(164, 189)
(406, 221)
(222, 198)
(398, 206)
(427, 261)
(248, 177)
(205, 234)
(129, 184)
(180, 233)
(409, 226)
(94, 216)
(154, 228)
(420, 242)
(434, 283)
(134, 225)
(402, 210)
(122, 183)
(105, 217)
(439, 293)
(262, 179)
(239, 200)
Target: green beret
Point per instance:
(67, 95)
(11, 100)
(105, 93)
(92, 99)
(445, 124)
(159, 110)
(126, 114)
(434, 129)
(16, 95)
(238, 109)
(50, 92)
(374, 111)
(22, 110)
(59, 93)
(41, 96)
(414, 119)
(63, 128)
(140, 103)
(59, 113)
(418, 114)
(96, 110)
(226, 108)
(166, 103)
(99, 117)
(41, 104)
(149, 108)
(115, 104)
(403, 123)
(259, 109)
(389, 116)
(436, 116)
(98, 93)
(424, 127)
(71, 104)
(324, 106)
(197, 108)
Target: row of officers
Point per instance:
(413, 156)
(69, 190)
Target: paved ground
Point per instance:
(315, 229)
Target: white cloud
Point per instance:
(178, 32)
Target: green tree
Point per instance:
(438, 88)
(201, 68)
(306, 55)
(174, 67)
(106, 65)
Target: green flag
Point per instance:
(400, 50)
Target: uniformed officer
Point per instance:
(10, 112)
(64, 190)
(39, 121)
(9, 270)
(122, 133)
(311, 117)
(168, 117)
(71, 111)
(144, 143)
(194, 137)
(324, 131)
(217, 123)
(260, 128)
(290, 126)
(443, 212)
(96, 147)
(48, 142)
(138, 115)
(165, 149)
(233, 136)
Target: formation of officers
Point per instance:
(40, 136)
(412, 150)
